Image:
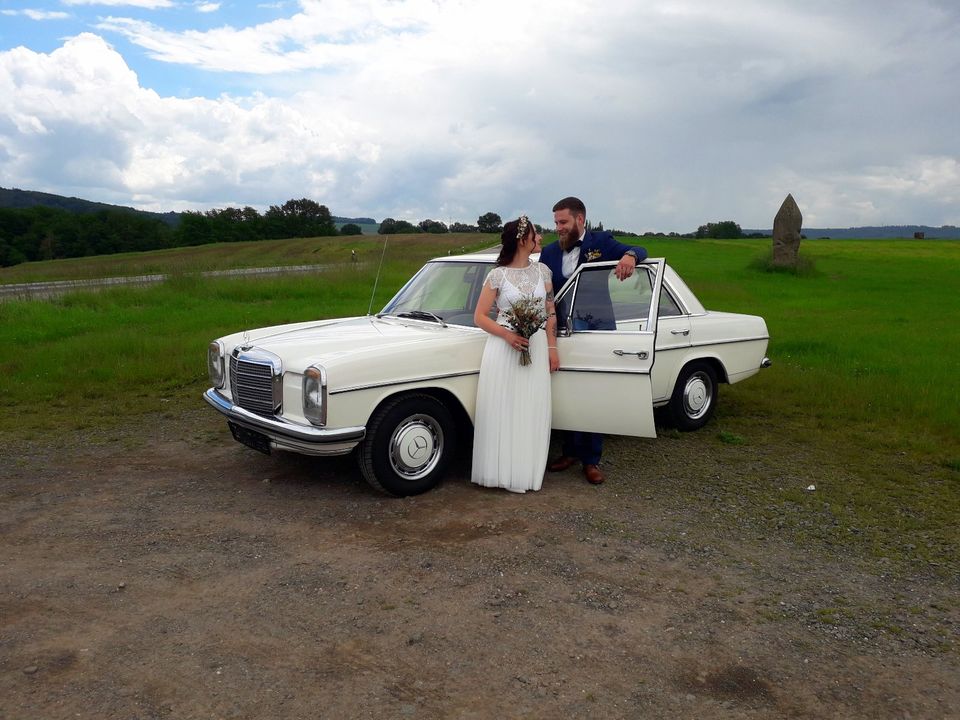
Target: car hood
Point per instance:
(350, 340)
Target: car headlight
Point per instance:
(315, 395)
(215, 363)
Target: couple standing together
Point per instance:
(513, 414)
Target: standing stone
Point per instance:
(786, 233)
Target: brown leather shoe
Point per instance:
(561, 463)
(593, 474)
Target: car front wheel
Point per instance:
(408, 446)
(694, 396)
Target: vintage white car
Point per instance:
(399, 387)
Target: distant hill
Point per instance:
(15, 198)
(877, 231)
(356, 221)
(368, 226)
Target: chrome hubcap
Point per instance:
(697, 395)
(415, 447)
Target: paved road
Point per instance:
(40, 290)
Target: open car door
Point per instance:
(607, 330)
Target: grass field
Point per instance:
(864, 349)
(868, 338)
(226, 256)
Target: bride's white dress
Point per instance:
(512, 422)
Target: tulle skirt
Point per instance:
(512, 423)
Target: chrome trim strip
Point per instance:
(610, 371)
(279, 430)
(618, 332)
(728, 342)
(371, 386)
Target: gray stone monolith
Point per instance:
(786, 234)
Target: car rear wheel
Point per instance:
(694, 397)
(408, 446)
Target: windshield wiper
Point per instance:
(422, 315)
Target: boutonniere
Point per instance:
(593, 255)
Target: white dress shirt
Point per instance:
(571, 259)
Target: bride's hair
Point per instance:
(509, 239)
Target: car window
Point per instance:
(600, 300)
(631, 297)
(605, 303)
(446, 289)
(668, 306)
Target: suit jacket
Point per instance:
(597, 246)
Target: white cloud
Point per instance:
(207, 7)
(91, 125)
(37, 14)
(148, 4)
(660, 115)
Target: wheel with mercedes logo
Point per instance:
(408, 446)
(694, 396)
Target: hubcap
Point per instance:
(697, 395)
(415, 447)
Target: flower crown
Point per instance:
(522, 227)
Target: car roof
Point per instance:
(489, 255)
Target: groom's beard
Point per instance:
(569, 241)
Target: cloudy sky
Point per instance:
(660, 115)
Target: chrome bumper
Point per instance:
(283, 435)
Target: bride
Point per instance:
(512, 423)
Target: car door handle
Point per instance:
(680, 332)
(642, 354)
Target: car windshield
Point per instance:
(446, 290)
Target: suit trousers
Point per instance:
(585, 446)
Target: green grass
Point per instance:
(264, 253)
(90, 358)
(865, 345)
(870, 337)
(863, 389)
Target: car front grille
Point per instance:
(255, 383)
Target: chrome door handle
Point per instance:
(680, 332)
(642, 354)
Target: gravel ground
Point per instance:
(193, 578)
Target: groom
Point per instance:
(575, 246)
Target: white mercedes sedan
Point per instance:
(398, 388)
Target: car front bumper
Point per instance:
(284, 435)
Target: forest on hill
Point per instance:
(43, 226)
(40, 226)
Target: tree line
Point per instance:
(49, 233)
(487, 223)
(43, 232)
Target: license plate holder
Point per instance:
(250, 438)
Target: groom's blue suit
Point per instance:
(596, 246)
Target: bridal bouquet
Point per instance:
(526, 316)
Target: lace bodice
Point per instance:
(513, 283)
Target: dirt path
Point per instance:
(193, 578)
